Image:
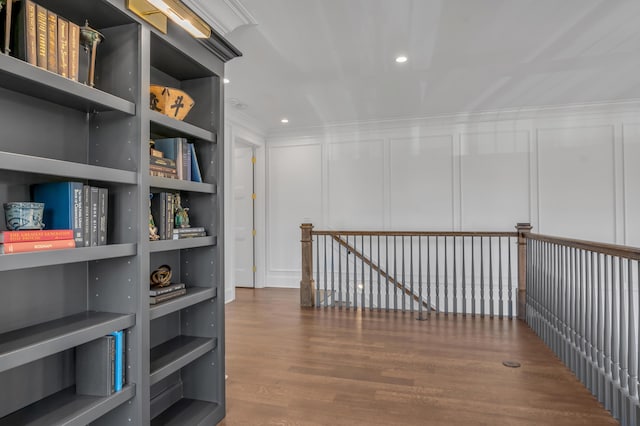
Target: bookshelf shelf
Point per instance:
(46, 166)
(22, 77)
(168, 245)
(194, 296)
(169, 128)
(67, 408)
(10, 262)
(19, 347)
(176, 353)
(189, 412)
(181, 185)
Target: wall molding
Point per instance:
(575, 111)
(224, 16)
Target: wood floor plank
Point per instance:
(293, 366)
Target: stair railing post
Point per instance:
(307, 285)
(523, 230)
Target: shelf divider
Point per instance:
(189, 412)
(22, 77)
(194, 295)
(9, 262)
(170, 128)
(176, 353)
(167, 245)
(68, 409)
(19, 347)
(46, 166)
(181, 185)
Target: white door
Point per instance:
(243, 194)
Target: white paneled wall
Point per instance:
(569, 171)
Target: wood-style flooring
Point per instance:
(293, 366)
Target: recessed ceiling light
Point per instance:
(401, 59)
(284, 120)
(226, 81)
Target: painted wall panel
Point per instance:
(631, 150)
(356, 184)
(294, 190)
(421, 183)
(576, 182)
(494, 180)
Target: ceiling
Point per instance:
(319, 62)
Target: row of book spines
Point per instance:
(101, 365)
(73, 205)
(183, 156)
(52, 42)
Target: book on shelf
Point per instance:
(159, 212)
(74, 50)
(63, 206)
(95, 367)
(52, 41)
(41, 36)
(30, 246)
(163, 174)
(161, 161)
(176, 149)
(170, 218)
(188, 234)
(63, 47)
(24, 32)
(119, 370)
(103, 206)
(86, 215)
(153, 300)
(163, 169)
(35, 235)
(93, 216)
(157, 291)
(196, 176)
(156, 153)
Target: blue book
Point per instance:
(119, 361)
(63, 207)
(196, 176)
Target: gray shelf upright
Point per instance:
(56, 129)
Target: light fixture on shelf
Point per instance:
(156, 12)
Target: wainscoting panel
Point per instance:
(421, 183)
(294, 196)
(356, 184)
(494, 180)
(576, 182)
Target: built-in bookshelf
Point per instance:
(55, 129)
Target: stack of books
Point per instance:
(162, 294)
(36, 240)
(181, 233)
(161, 166)
(183, 155)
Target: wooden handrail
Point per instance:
(603, 248)
(418, 233)
(382, 273)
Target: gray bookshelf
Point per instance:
(55, 129)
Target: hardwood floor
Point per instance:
(293, 366)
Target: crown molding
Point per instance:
(223, 15)
(595, 109)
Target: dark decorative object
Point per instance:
(89, 39)
(181, 219)
(153, 229)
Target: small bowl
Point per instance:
(23, 215)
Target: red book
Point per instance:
(35, 235)
(28, 246)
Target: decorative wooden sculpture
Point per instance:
(172, 102)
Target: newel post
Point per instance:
(307, 285)
(523, 230)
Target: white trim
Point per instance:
(224, 16)
(598, 110)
